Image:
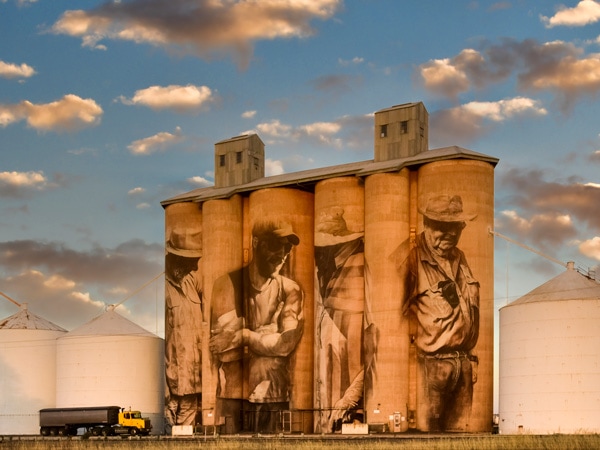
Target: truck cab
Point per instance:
(133, 423)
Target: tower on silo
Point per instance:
(239, 160)
(401, 131)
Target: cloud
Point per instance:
(557, 67)
(584, 13)
(69, 286)
(159, 142)
(10, 70)
(350, 132)
(136, 191)
(248, 114)
(182, 99)
(200, 181)
(273, 167)
(24, 184)
(70, 113)
(348, 62)
(199, 27)
(464, 123)
(548, 213)
(591, 248)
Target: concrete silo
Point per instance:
(549, 358)
(28, 370)
(112, 361)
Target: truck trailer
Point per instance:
(96, 420)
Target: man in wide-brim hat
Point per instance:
(183, 318)
(438, 288)
(339, 259)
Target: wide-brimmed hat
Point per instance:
(185, 242)
(331, 228)
(446, 208)
(277, 229)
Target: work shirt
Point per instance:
(446, 322)
(183, 320)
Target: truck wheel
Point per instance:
(133, 431)
(63, 432)
(105, 432)
(53, 432)
(44, 431)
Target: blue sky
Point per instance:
(106, 111)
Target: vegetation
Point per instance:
(482, 442)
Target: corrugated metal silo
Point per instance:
(27, 370)
(112, 361)
(549, 358)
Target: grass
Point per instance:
(480, 442)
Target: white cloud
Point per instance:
(505, 109)
(442, 76)
(584, 13)
(354, 61)
(591, 248)
(85, 298)
(200, 181)
(273, 167)
(159, 142)
(143, 205)
(136, 191)
(275, 128)
(36, 180)
(249, 114)
(10, 70)
(59, 282)
(181, 99)
(70, 113)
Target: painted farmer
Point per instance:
(257, 316)
(340, 262)
(439, 289)
(183, 318)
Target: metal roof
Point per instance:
(108, 324)
(307, 178)
(26, 320)
(569, 285)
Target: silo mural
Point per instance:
(183, 314)
(340, 302)
(357, 294)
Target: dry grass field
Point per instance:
(481, 442)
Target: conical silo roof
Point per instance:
(28, 367)
(109, 324)
(26, 320)
(569, 285)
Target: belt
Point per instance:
(451, 355)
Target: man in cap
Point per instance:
(183, 318)
(438, 288)
(257, 315)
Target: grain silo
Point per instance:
(112, 361)
(28, 370)
(549, 358)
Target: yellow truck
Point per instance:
(95, 420)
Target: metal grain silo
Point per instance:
(112, 361)
(549, 358)
(28, 370)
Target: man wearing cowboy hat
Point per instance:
(340, 262)
(439, 290)
(183, 318)
(257, 315)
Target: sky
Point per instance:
(108, 110)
